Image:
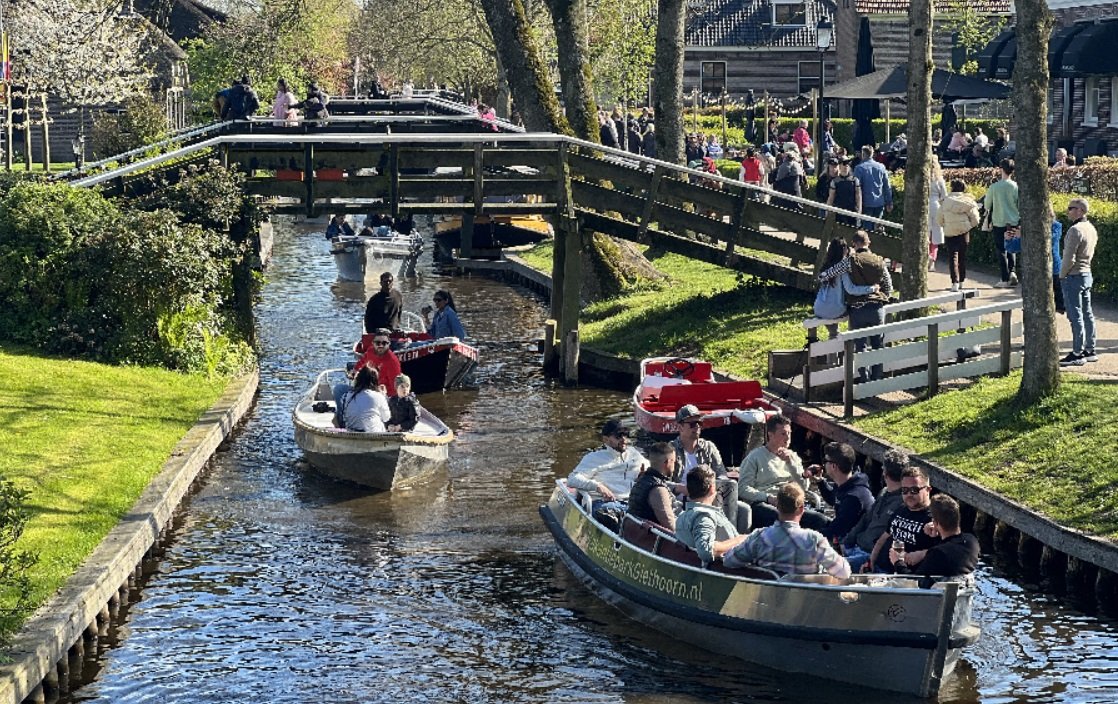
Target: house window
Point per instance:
(808, 77)
(789, 13)
(713, 79)
(1091, 102)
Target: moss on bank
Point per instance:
(1057, 457)
(85, 439)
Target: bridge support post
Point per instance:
(308, 177)
(466, 248)
(566, 283)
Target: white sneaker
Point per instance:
(1003, 284)
(1012, 278)
(955, 287)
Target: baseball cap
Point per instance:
(688, 412)
(614, 427)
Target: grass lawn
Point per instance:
(85, 439)
(1056, 458)
(702, 310)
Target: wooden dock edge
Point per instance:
(42, 644)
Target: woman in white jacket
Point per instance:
(958, 215)
(937, 192)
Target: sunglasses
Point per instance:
(380, 343)
(693, 423)
(912, 490)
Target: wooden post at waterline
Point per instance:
(566, 273)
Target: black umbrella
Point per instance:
(867, 110)
(893, 83)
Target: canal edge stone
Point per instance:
(48, 635)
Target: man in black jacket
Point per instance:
(844, 488)
(243, 100)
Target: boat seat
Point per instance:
(651, 386)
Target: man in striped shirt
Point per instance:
(785, 547)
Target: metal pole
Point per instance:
(819, 122)
(723, 117)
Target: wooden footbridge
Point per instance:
(428, 156)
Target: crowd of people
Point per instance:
(760, 515)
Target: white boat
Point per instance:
(382, 461)
(353, 253)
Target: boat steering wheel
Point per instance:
(678, 367)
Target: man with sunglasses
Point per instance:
(607, 474)
(381, 357)
(910, 524)
(692, 451)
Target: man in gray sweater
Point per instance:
(1075, 278)
(859, 542)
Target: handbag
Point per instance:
(1013, 239)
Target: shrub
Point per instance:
(15, 583)
(206, 195)
(140, 121)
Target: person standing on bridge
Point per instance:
(243, 101)
(314, 107)
(283, 107)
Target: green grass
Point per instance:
(702, 310)
(55, 166)
(1056, 458)
(85, 439)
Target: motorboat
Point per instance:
(353, 253)
(878, 631)
(382, 461)
(432, 365)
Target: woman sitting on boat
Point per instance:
(363, 408)
(445, 322)
(338, 227)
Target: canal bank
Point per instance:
(1066, 560)
(48, 651)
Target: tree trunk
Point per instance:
(667, 85)
(531, 87)
(914, 235)
(1041, 375)
(503, 96)
(568, 17)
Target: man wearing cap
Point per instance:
(767, 468)
(383, 308)
(692, 451)
(607, 474)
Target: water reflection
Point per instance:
(283, 586)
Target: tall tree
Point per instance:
(667, 82)
(528, 77)
(1041, 375)
(569, 19)
(914, 236)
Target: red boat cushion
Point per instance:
(708, 397)
(702, 371)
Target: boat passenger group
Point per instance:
(364, 404)
(758, 515)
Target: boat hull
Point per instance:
(352, 256)
(896, 639)
(440, 364)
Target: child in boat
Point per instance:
(404, 407)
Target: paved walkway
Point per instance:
(1106, 316)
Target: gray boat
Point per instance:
(357, 255)
(870, 630)
(382, 461)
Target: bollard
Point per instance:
(983, 526)
(103, 619)
(1106, 592)
(62, 667)
(1028, 553)
(114, 607)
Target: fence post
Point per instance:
(848, 379)
(933, 359)
(1007, 341)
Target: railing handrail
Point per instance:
(175, 137)
(1012, 304)
(461, 138)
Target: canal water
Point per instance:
(283, 586)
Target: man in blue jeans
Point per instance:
(1075, 278)
(877, 194)
(867, 311)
